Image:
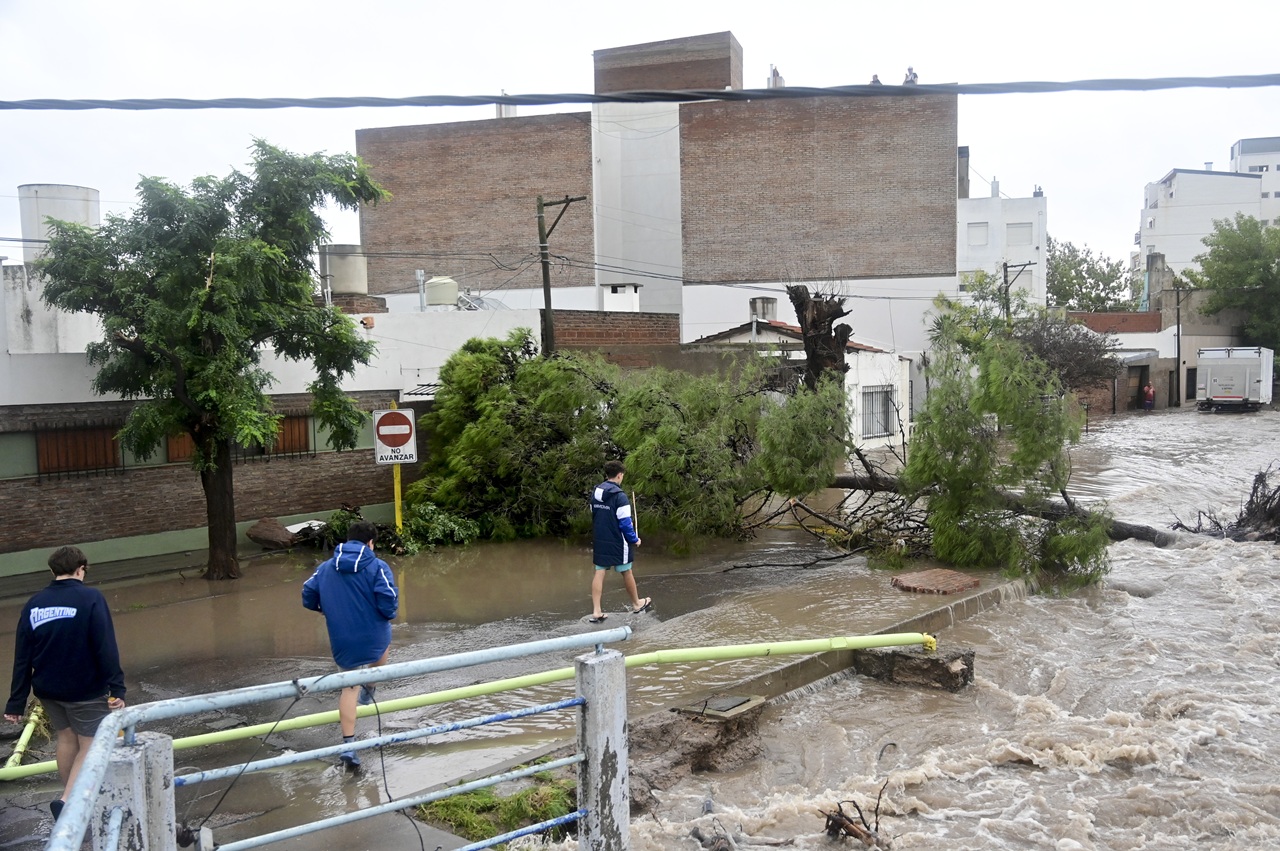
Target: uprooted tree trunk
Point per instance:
(1258, 520)
(1119, 530)
(824, 345)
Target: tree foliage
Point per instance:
(1079, 357)
(1241, 269)
(192, 288)
(516, 441)
(1079, 279)
(997, 421)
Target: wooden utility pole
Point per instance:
(544, 233)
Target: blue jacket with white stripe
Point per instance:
(357, 593)
(615, 534)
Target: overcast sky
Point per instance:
(1092, 153)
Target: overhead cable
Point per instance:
(1237, 81)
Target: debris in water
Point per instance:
(840, 823)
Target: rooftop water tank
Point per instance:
(39, 202)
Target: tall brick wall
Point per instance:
(632, 340)
(464, 196)
(819, 188)
(148, 500)
(1118, 323)
(712, 61)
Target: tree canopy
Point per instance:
(1241, 270)
(997, 421)
(1079, 279)
(517, 440)
(192, 288)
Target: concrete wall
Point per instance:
(636, 200)
(1181, 208)
(994, 231)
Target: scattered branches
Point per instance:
(1259, 517)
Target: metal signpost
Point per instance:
(395, 442)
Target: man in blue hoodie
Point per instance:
(615, 537)
(356, 592)
(65, 651)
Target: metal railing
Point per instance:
(602, 758)
(138, 784)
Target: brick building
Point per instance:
(711, 195)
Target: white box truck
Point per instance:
(1234, 379)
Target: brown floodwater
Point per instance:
(182, 635)
(1140, 715)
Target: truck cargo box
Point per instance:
(1234, 379)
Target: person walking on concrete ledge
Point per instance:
(65, 651)
(357, 594)
(615, 537)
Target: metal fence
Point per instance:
(126, 790)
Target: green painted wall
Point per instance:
(185, 546)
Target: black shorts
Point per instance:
(82, 716)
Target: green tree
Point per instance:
(997, 422)
(192, 288)
(1241, 270)
(516, 441)
(1078, 279)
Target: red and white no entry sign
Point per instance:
(394, 438)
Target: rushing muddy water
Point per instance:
(1139, 715)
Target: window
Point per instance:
(878, 414)
(1258, 168)
(1018, 233)
(77, 450)
(977, 233)
(293, 438)
(1266, 194)
(181, 448)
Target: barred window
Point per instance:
(878, 413)
(77, 450)
(293, 438)
(181, 448)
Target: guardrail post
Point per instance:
(603, 789)
(140, 780)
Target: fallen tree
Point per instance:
(1117, 530)
(1258, 520)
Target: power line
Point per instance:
(657, 96)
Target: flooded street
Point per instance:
(1138, 715)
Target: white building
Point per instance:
(1004, 237)
(1180, 209)
(878, 384)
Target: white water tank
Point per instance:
(344, 269)
(39, 202)
(620, 298)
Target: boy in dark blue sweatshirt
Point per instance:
(615, 540)
(65, 652)
(357, 593)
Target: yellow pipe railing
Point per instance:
(657, 657)
(20, 747)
